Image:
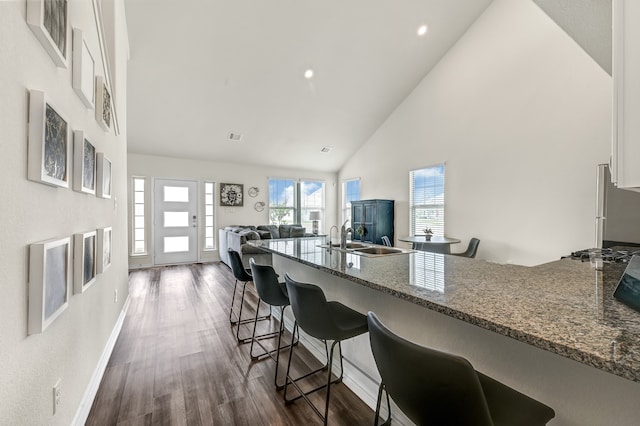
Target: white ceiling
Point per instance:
(200, 69)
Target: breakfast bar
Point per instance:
(552, 331)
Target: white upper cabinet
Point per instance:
(625, 153)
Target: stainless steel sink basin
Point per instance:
(378, 250)
(367, 250)
(351, 245)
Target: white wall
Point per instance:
(30, 212)
(521, 116)
(249, 175)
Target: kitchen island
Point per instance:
(552, 331)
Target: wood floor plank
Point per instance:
(177, 362)
(109, 396)
(169, 410)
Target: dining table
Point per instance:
(435, 244)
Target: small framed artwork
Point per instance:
(48, 21)
(84, 164)
(49, 142)
(84, 260)
(103, 175)
(231, 194)
(49, 282)
(103, 104)
(104, 249)
(83, 69)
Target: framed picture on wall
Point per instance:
(104, 249)
(84, 164)
(83, 69)
(103, 104)
(49, 282)
(48, 21)
(49, 143)
(103, 174)
(84, 260)
(231, 194)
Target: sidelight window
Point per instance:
(139, 245)
(209, 195)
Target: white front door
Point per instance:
(175, 208)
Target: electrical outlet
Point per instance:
(115, 296)
(57, 396)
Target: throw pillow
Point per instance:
(297, 232)
(273, 229)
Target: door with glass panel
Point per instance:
(175, 221)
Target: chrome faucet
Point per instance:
(343, 235)
(330, 234)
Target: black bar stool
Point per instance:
(471, 250)
(241, 274)
(273, 293)
(325, 321)
(433, 387)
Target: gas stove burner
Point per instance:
(607, 255)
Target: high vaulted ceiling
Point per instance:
(201, 69)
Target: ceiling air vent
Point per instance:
(326, 149)
(234, 136)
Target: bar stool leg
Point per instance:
(233, 299)
(378, 405)
(304, 395)
(238, 321)
(294, 342)
(326, 404)
(255, 339)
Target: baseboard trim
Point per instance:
(92, 389)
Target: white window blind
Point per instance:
(426, 200)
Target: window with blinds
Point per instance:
(426, 200)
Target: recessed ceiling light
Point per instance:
(308, 74)
(422, 30)
(234, 136)
(326, 149)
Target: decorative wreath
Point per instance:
(231, 194)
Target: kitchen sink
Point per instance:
(378, 250)
(351, 245)
(367, 250)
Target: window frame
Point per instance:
(417, 227)
(299, 213)
(205, 215)
(143, 217)
(346, 205)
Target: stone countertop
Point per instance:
(565, 307)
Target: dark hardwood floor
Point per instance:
(176, 361)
